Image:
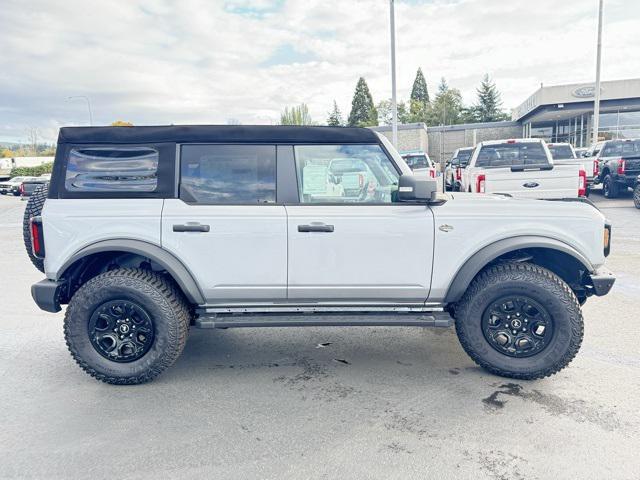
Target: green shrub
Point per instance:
(31, 171)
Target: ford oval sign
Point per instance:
(584, 92)
(531, 185)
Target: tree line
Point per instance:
(446, 107)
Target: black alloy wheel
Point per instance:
(517, 326)
(121, 331)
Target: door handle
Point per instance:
(315, 227)
(191, 227)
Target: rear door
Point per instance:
(226, 225)
(352, 245)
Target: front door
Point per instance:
(226, 227)
(350, 242)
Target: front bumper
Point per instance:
(602, 280)
(46, 294)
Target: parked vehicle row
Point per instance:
(22, 186)
(534, 168)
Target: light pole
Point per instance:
(88, 106)
(596, 106)
(394, 103)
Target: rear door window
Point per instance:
(228, 174)
(560, 152)
(511, 154)
(112, 169)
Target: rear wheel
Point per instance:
(610, 187)
(126, 326)
(521, 321)
(33, 209)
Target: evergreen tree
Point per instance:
(446, 108)
(363, 112)
(489, 105)
(335, 117)
(419, 94)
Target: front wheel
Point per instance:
(126, 326)
(520, 320)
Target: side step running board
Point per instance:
(433, 319)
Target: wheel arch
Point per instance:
(557, 256)
(108, 249)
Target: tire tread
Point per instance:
(177, 306)
(532, 273)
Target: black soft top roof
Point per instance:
(217, 134)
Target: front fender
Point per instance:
(474, 264)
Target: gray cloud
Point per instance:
(198, 61)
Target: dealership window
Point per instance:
(228, 174)
(112, 169)
(345, 174)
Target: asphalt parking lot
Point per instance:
(335, 403)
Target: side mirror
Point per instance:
(414, 188)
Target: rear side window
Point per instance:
(112, 169)
(559, 152)
(463, 157)
(511, 154)
(228, 174)
(622, 148)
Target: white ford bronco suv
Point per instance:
(146, 231)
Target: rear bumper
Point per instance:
(46, 294)
(602, 280)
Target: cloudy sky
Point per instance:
(209, 61)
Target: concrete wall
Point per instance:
(412, 137)
(443, 141)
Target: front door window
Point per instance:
(345, 174)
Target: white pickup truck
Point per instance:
(564, 154)
(521, 168)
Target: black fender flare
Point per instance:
(168, 261)
(474, 264)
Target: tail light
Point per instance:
(432, 173)
(21, 189)
(596, 168)
(480, 183)
(621, 165)
(607, 239)
(582, 183)
(37, 237)
(361, 180)
(458, 173)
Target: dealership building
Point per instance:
(559, 113)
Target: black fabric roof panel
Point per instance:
(217, 134)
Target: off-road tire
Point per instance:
(610, 187)
(636, 196)
(165, 305)
(33, 209)
(534, 282)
